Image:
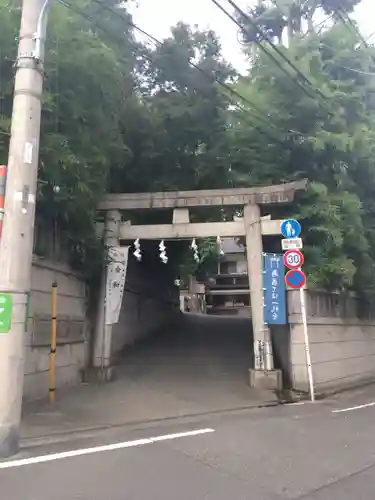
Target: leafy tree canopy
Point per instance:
(271, 18)
(117, 115)
(327, 137)
(122, 116)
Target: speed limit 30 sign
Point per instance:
(293, 259)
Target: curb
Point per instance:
(89, 431)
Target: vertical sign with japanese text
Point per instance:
(116, 275)
(274, 290)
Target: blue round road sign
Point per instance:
(295, 279)
(290, 228)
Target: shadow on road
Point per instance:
(205, 349)
(198, 367)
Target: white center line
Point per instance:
(354, 408)
(99, 449)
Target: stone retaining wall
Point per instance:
(342, 344)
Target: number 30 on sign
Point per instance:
(293, 259)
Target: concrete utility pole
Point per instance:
(16, 244)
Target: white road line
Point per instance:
(354, 408)
(99, 449)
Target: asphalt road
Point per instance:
(304, 451)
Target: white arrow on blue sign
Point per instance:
(290, 228)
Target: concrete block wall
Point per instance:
(72, 337)
(342, 344)
(150, 302)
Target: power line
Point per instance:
(257, 114)
(344, 16)
(227, 87)
(264, 49)
(317, 27)
(269, 41)
(369, 37)
(360, 72)
(275, 48)
(218, 81)
(342, 66)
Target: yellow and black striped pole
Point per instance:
(52, 355)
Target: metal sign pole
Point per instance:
(307, 344)
(295, 278)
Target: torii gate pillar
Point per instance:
(103, 332)
(263, 375)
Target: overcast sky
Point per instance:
(157, 16)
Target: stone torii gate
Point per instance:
(251, 225)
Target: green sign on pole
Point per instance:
(5, 312)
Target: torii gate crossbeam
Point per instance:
(189, 230)
(262, 195)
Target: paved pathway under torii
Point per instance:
(200, 366)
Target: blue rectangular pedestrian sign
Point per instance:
(274, 290)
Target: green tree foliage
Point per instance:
(87, 92)
(117, 115)
(183, 116)
(122, 116)
(9, 22)
(272, 18)
(209, 255)
(328, 140)
(334, 6)
(267, 19)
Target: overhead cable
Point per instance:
(266, 38)
(249, 112)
